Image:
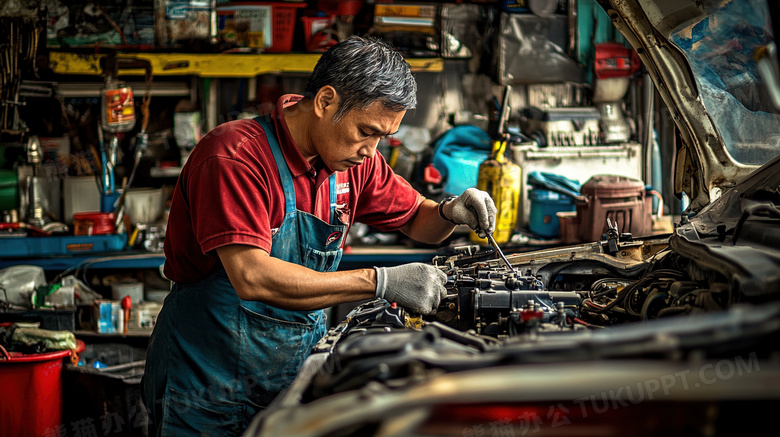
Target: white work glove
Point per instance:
(474, 208)
(417, 287)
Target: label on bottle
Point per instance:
(120, 107)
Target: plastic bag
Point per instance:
(458, 154)
(18, 282)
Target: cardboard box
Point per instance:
(109, 316)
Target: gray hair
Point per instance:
(364, 70)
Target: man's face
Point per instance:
(354, 137)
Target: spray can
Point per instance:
(501, 178)
(118, 106)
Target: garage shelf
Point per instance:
(356, 257)
(223, 65)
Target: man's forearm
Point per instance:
(427, 226)
(257, 276)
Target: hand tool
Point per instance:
(492, 242)
(33, 229)
(500, 252)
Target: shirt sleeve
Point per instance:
(387, 201)
(229, 204)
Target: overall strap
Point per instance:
(333, 195)
(281, 165)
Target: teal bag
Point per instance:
(457, 155)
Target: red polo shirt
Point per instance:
(229, 192)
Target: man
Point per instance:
(256, 226)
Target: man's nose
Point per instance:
(369, 149)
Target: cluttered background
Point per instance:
(539, 102)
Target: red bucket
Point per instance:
(31, 398)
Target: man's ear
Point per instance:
(326, 101)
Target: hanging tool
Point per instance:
(98, 160)
(118, 117)
(500, 178)
(141, 142)
(18, 51)
(21, 225)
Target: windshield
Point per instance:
(720, 49)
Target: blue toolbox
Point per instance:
(15, 247)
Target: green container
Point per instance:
(9, 190)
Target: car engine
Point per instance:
(498, 302)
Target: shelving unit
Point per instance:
(223, 65)
(107, 260)
(209, 68)
(356, 257)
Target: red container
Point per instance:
(31, 400)
(311, 25)
(282, 22)
(94, 223)
(618, 198)
(614, 60)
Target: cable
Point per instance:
(566, 264)
(634, 287)
(112, 23)
(660, 213)
(88, 262)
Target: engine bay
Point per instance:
(591, 301)
(707, 291)
(589, 286)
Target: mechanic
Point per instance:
(256, 225)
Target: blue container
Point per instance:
(543, 220)
(107, 202)
(14, 247)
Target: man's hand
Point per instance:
(474, 208)
(417, 287)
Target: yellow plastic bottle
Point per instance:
(500, 178)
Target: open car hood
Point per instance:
(659, 31)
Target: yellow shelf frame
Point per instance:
(239, 65)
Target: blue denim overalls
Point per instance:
(215, 360)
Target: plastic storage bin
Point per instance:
(31, 403)
(312, 25)
(545, 205)
(249, 23)
(109, 395)
(53, 320)
(618, 198)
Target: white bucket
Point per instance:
(145, 205)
